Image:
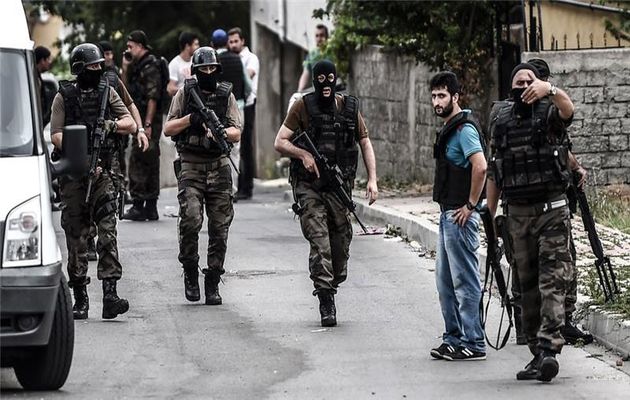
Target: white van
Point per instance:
(37, 328)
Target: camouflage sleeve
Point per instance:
(233, 115)
(117, 107)
(177, 105)
(152, 82)
(58, 114)
(557, 125)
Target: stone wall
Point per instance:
(598, 82)
(396, 104)
(395, 101)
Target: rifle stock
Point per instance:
(98, 137)
(331, 175)
(214, 124)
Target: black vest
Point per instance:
(82, 108)
(451, 185)
(194, 140)
(334, 136)
(529, 162)
(233, 72)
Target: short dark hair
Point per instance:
(236, 31)
(41, 53)
(186, 38)
(324, 27)
(445, 79)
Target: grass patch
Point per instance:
(593, 289)
(611, 206)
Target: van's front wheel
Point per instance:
(49, 366)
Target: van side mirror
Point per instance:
(74, 159)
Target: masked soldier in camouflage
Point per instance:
(335, 125)
(530, 169)
(143, 78)
(79, 102)
(203, 173)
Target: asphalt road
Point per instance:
(265, 341)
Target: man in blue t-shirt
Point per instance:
(460, 174)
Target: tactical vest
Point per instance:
(192, 139)
(112, 78)
(82, 108)
(138, 82)
(232, 72)
(334, 136)
(451, 185)
(529, 162)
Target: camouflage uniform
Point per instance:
(77, 216)
(204, 182)
(537, 215)
(324, 220)
(145, 84)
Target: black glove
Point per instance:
(196, 120)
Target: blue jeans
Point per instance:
(459, 282)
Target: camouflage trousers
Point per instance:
(326, 225)
(540, 245)
(76, 220)
(209, 186)
(571, 296)
(144, 167)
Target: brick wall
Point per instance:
(598, 82)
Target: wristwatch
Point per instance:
(553, 90)
(141, 130)
(470, 206)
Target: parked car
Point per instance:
(37, 328)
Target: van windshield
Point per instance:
(16, 123)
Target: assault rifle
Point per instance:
(495, 273)
(98, 138)
(331, 175)
(607, 278)
(218, 130)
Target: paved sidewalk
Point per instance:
(418, 217)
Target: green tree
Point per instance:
(444, 35)
(162, 21)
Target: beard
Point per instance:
(446, 111)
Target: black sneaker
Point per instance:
(573, 335)
(465, 354)
(438, 353)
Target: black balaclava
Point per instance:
(521, 108)
(325, 67)
(207, 82)
(89, 78)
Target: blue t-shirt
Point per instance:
(464, 143)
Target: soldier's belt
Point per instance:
(537, 208)
(205, 166)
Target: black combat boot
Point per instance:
(327, 308)
(151, 211)
(91, 250)
(81, 302)
(548, 367)
(112, 304)
(530, 372)
(521, 339)
(572, 334)
(191, 283)
(211, 287)
(136, 212)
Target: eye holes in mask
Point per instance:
(321, 78)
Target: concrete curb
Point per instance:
(610, 331)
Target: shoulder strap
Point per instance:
(351, 108)
(312, 108)
(71, 98)
(451, 127)
(224, 89)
